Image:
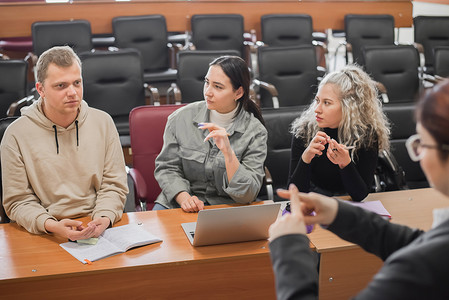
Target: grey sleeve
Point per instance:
(168, 167)
(247, 181)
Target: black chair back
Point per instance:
(286, 29)
(13, 83)
(192, 68)
(430, 32)
(441, 59)
(278, 123)
(396, 67)
(367, 30)
(147, 34)
(76, 34)
(403, 125)
(113, 82)
(292, 70)
(218, 32)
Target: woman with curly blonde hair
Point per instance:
(336, 140)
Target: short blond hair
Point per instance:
(62, 56)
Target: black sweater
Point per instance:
(355, 179)
(415, 263)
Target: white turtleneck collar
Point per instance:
(223, 120)
(440, 215)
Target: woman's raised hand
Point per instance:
(315, 147)
(218, 134)
(338, 154)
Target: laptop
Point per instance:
(231, 224)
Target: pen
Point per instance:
(346, 148)
(200, 125)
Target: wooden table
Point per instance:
(345, 268)
(16, 18)
(35, 266)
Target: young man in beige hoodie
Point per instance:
(62, 159)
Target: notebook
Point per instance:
(232, 224)
(374, 206)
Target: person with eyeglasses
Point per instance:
(416, 263)
(336, 141)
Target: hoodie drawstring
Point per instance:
(56, 136)
(76, 125)
(56, 139)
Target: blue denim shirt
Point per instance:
(187, 163)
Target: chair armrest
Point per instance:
(341, 44)
(188, 45)
(320, 36)
(432, 79)
(14, 108)
(173, 49)
(140, 187)
(250, 54)
(322, 53)
(349, 55)
(31, 58)
(174, 93)
(270, 88)
(251, 44)
(321, 72)
(113, 48)
(268, 181)
(439, 78)
(321, 45)
(382, 91)
(153, 94)
(422, 58)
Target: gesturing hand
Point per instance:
(324, 208)
(315, 147)
(338, 154)
(292, 223)
(219, 135)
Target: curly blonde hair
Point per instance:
(363, 122)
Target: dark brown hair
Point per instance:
(236, 69)
(433, 114)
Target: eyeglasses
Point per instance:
(414, 147)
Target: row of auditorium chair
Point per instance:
(148, 34)
(114, 81)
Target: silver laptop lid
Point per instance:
(234, 224)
